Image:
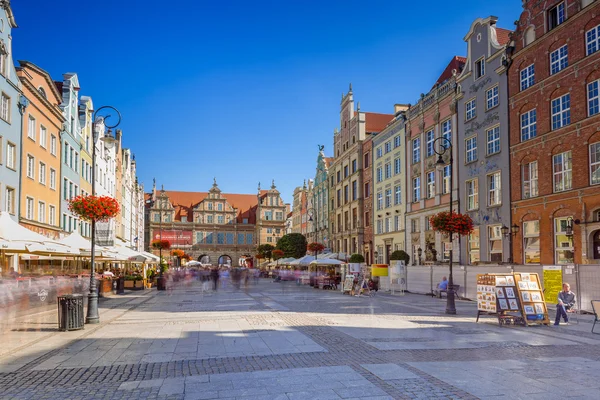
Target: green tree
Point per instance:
(266, 250)
(293, 245)
(357, 258)
(400, 255)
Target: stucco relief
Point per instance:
(489, 119)
(476, 86)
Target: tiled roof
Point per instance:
(457, 63)
(502, 36)
(376, 122)
(329, 161)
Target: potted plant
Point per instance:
(355, 261)
(161, 245)
(397, 258)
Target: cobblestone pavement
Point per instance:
(282, 341)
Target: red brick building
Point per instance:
(555, 132)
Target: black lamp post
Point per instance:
(92, 316)
(569, 232)
(376, 254)
(419, 253)
(514, 229)
(444, 146)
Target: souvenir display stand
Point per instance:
(514, 298)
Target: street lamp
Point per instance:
(444, 146)
(92, 316)
(419, 253)
(569, 232)
(376, 254)
(514, 229)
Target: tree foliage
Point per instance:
(293, 245)
(357, 258)
(277, 254)
(400, 255)
(266, 250)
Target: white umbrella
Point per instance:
(303, 260)
(326, 261)
(193, 263)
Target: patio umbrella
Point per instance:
(303, 261)
(326, 261)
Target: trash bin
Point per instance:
(70, 312)
(121, 285)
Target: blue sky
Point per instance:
(244, 91)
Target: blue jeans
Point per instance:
(561, 311)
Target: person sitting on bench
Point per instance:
(441, 287)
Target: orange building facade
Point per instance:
(40, 172)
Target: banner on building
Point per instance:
(177, 238)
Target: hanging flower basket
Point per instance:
(186, 256)
(315, 247)
(161, 244)
(177, 253)
(94, 208)
(446, 222)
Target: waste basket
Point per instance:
(70, 312)
(120, 285)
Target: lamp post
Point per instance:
(569, 233)
(310, 213)
(92, 316)
(514, 229)
(444, 146)
(419, 253)
(376, 254)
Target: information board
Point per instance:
(552, 282)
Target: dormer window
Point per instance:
(479, 68)
(556, 16)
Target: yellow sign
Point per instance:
(552, 283)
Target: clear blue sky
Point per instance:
(244, 91)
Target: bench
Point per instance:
(595, 309)
(455, 287)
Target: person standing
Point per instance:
(214, 275)
(566, 301)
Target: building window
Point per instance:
(10, 200)
(493, 140)
(220, 219)
(494, 197)
(43, 135)
(416, 189)
(446, 179)
(470, 109)
(527, 77)
(51, 215)
(592, 40)
(52, 179)
(209, 219)
(471, 149)
(447, 130)
(397, 166)
(530, 180)
(528, 125)
(30, 166)
(53, 145)
(492, 97)
(430, 184)
(388, 224)
(397, 141)
(474, 246)
(495, 237)
(397, 195)
(595, 163)
(562, 171)
(210, 206)
(561, 111)
(42, 212)
(354, 190)
(10, 155)
(479, 68)
(388, 198)
(221, 238)
(367, 164)
(379, 226)
(379, 174)
(339, 176)
(416, 150)
(559, 59)
(430, 137)
(31, 128)
(346, 194)
(563, 243)
(397, 223)
(42, 176)
(379, 201)
(472, 194)
(556, 16)
(379, 152)
(592, 92)
(339, 197)
(388, 147)
(354, 166)
(388, 171)
(220, 205)
(531, 242)
(29, 208)
(345, 171)
(367, 189)
(5, 108)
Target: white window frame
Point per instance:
(595, 163)
(397, 166)
(11, 153)
(43, 136)
(470, 153)
(527, 75)
(562, 169)
(528, 125)
(592, 40)
(447, 130)
(416, 150)
(470, 109)
(29, 211)
(53, 142)
(379, 174)
(493, 141)
(51, 215)
(416, 186)
(388, 170)
(472, 189)
(529, 237)
(480, 68)
(495, 235)
(9, 199)
(530, 180)
(31, 127)
(562, 242)
(41, 212)
(593, 97)
(492, 97)
(430, 184)
(559, 59)
(445, 175)
(429, 138)
(379, 201)
(561, 15)
(397, 141)
(5, 107)
(561, 111)
(397, 195)
(388, 198)
(42, 173)
(30, 167)
(494, 185)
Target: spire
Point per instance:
(304, 186)
(259, 187)
(215, 182)
(273, 184)
(358, 106)
(350, 89)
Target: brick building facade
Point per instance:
(555, 143)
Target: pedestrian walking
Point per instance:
(214, 275)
